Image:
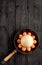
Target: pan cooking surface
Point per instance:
(17, 36)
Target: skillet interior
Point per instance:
(17, 36)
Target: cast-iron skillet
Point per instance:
(16, 46)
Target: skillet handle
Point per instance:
(9, 56)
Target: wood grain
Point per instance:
(21, 14)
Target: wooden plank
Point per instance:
(3, 34)
(3, 16)
(40, 16)
(33, 16)
(18, 16)
(21, 14)
(10, 20)
(31, 26)
(0, 9)
(36, 13)
(24, 14)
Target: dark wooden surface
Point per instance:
(21, 14)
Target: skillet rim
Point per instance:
(19, 32)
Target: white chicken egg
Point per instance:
(27, 41)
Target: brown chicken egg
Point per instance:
(29, 33)
(18, 40)
(23, 48)
(33, 36)
(24, 33)
(19, 45)
(20, 36)
(33, 46)
(29, 49)
(35, 41)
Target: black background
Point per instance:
(21, 14)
